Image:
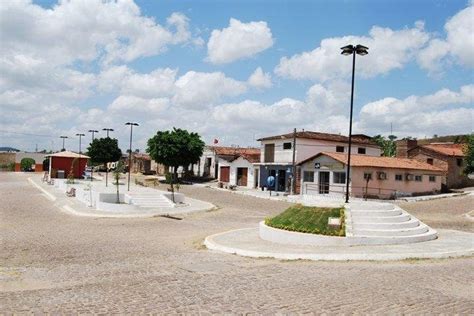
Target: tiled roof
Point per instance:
(447, 149)
(232, 153)
(379, 162)
(67, 154)
(357, 138)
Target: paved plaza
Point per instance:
(52, 261)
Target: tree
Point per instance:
(175, 148)
(388, 146)
(117, 172)
(27, 163)
(469, 152)
(104, 150)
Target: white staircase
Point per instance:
(149, 200)
(384, 224)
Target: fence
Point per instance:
(337, 191)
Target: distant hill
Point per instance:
(445, 139)
(8, 149)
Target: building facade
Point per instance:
(276, 152)
(448, 156)
(371, 176)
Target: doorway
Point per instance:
(323, 182)
(225, 174)
(242, 176)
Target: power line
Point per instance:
(27, 134)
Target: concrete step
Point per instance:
(378, 213)
(404, 217)
(372, 206)
(413, 222)
(431, 234)
(421, 229)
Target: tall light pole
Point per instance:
(108, 130)
(132, 124)
(63, 137)
(80, 138)
(93, 132)
(352, 50)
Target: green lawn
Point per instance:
(308, 219)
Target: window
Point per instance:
(429, 161)
(339, 177)
(367, 175)
(286, 145)
(418, 178)
(308, 176)
(381, 175)
(459, 162)
(339, 149)
(398, 177)
(361, 150)
(432, 178)
(269, 153)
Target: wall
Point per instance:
(380, 188)
(64, 163)
(306, 148)
(207, 153)
(238, 163)
(386, 187)
(6, 158)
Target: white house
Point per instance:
(276, 152)
(231, 165)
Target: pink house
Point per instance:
(371, 176)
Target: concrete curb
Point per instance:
(46, 193)
(211, 244)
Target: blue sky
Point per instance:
(73, 66)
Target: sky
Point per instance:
(233, 71)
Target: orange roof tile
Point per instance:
(446, 149)
(232, 153)
(379, 162)
(356, 138)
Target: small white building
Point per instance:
(239, 169)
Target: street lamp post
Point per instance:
(63, 137)
(132, 124)
(80, 138)
(352, 50)
(108, 130)
(93, 132)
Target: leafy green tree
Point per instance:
(388, 145)
(26, 163)
(104, 150)
(469, 152)
(175, 148)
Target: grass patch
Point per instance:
(308, 219)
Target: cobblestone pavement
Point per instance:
(55, 262)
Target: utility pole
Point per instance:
(293, 171)
(132, 124)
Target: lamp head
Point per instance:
(361, 50)
(347, 50)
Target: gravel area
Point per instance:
(54, 262)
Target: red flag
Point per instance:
(216, 140)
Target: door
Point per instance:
(269, 153)
(281, 180)
(255, 178)
(225, 173)
(242, 176)
(323, 182)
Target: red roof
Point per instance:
(378, 162)
(356, 138)
(447, 149)
(232, 153)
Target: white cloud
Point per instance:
(388, 49)
(258, 79)
(420, 116)
(126, 103)
(199, 89)
(458, 45)
(86, 30)
(239, 40)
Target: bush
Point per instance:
(26, 164)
